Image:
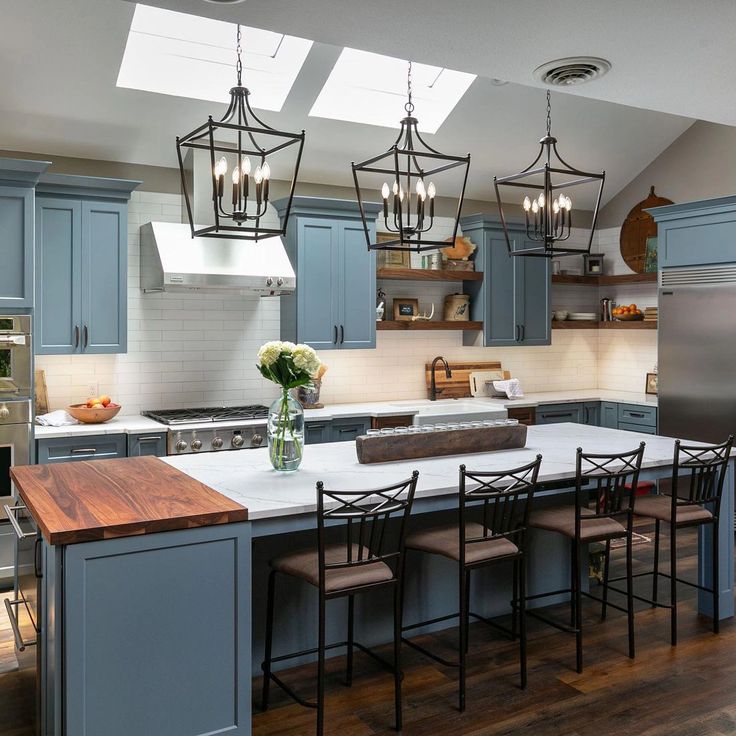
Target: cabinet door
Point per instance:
(609, 414)
(16, 247)
(555, 413)
(58, 276)
(317, 283)
(72, 449)
(142, 445)
(357, 288)
(316, 433)
(532, 283)
(346, 430)
(104, 277)
(592, 413)
(500, 319)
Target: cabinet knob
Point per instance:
(4, 412)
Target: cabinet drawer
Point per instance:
(316, 433)
(72, 449)
(633, 414)
(141, 445)
(643, 428)
(346, 430)
(555, 413)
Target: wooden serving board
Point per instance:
(390, 448)
(458, 387)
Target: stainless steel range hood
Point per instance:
(171, 260)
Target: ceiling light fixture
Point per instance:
(409, 169)
(230, 144)
(548, 213)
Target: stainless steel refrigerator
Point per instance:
(697, 353)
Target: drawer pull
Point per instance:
(84, 450)
(19, 643)
(557, 415)
(141, 440)
(638, 414)
(9, 512)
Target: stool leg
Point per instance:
(521, 567)
(467, 610)
(269, 641)
(321, 668)
(673, 583)
(463, 638)
(655, 574)
(716, 586)
(351, 629)
(630, 591)
(397, 655)
(578, 609)
(606, 568)
(574, 577)
(515, 600)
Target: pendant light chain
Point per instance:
(409, 106)
(549, 114)
(239, 51)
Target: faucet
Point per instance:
(433, 386)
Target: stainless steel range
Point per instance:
(212, 429)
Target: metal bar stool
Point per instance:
(500, 501)
(363, 561)
(694, 500)
(612, 480)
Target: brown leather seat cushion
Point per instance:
(445, 541)
(304, 564)
(562, 519)
(660, 507)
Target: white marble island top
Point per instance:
(247, 477)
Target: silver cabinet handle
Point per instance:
(83, 450)
(86, 337)
(10, 513)
(141, 440)
(13, 339)
(19, 643)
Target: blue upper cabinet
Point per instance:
(513, 300)
(18, 178)
(81, 264)
(696, 233)
(333, 307)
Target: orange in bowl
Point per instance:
(97, 414)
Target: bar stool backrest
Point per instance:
(613, 478)
(501, 503)
(704, 469)
(363, 517)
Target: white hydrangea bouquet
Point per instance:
(289, 366)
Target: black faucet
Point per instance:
(448, 374)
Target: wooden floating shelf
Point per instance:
(593, 325)
(628, 278)
(426, 274)
(424, 325)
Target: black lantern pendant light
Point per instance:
(409, 170)
(548, 211)
(239, 146)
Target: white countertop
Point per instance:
(135, 423)
(247, 477)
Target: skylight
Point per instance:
(370, 88)
(189, 56)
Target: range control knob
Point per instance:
(237, 441)
(181, 446)
(256, 440)
(279, 281)
(196, 445)
(217, 443)
(269, 281)
(4, 412)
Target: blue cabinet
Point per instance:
(86, 447)
(81, 265)
(17, 181)
(345, 429)
(513, 300)
(333, 307)
(555, 413)
(141, 445)
(609, 414)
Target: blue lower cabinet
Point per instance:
(640, 415)
(141, 445)
(555, 413)
(609, 414)
(72, 449)
(336, 430)
(592, 413)
(317, 432)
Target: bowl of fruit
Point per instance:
(96, 410)
(627, 313)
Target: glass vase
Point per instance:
(286, 432)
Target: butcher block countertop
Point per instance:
(90, 501)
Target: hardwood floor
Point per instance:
(689, 690)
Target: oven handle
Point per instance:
(13, 339)
(9, 512)
(19, 643)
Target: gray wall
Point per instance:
(700, 164)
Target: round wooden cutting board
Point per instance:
(637, 227)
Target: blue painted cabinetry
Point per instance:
(17, 181)
(140, 445)
(81, 264)
(513, 300)
(87, 447)
(336, 430)
(333, 307)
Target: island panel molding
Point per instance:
(89, 501)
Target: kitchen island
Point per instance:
(152, 632)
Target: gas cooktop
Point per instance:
(208, 414)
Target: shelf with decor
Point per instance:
(595, 325)
(426, 274)
(427, 325)
(627, 278)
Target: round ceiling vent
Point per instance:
(572, 70)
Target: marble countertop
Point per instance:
(121, 424)
(247, 477)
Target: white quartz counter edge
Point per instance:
(121, 424)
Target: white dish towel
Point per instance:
(58, 418)
(511, 387)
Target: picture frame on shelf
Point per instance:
(593, 264)
(405, 308)
(392, 258)
(651, 384)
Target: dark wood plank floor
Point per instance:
(689, 690)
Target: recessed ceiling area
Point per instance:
(63, 98)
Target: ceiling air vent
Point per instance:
(572, 70)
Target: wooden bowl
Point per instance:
(93, 416)
(629, 317)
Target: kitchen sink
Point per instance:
(451, 410)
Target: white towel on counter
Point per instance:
(58, 418)
(511, 387)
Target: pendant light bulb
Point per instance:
(431, 190)
(556, 206)
(568, 203)
(266, 171)
(527, 204)
(245, 166)
(395, 188)
(221, 167)
(236, 175)
(421, 190)
(385, 191)
(401, 194)
(258, 175)
(541, 200)
(535, 206)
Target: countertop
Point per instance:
(137, 424)
(104, 499)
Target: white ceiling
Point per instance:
(59, 62)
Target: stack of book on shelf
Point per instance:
(651, 314)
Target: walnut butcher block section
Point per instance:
(88, 501)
